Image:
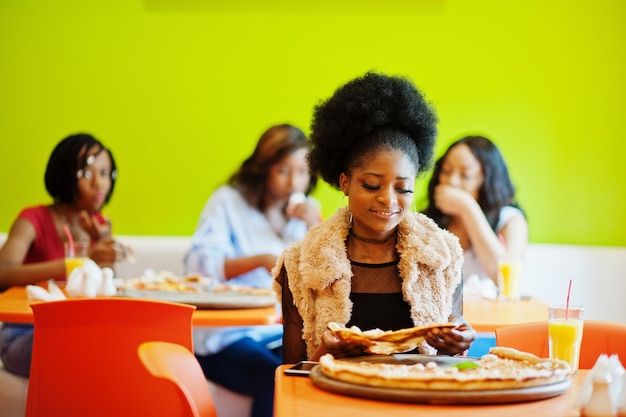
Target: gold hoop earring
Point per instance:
(350, 219)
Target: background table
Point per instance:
(487, 315)
(15, 307)
(296, 396)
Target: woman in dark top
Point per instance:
(374, 263)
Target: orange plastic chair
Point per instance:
(85, 360)
(598, 337)
(179, 366)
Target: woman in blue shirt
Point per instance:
(243, 228)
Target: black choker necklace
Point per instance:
(370, 240)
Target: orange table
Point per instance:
(296, 396)
(15, 307)
(487, 315)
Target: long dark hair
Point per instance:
(275, 143)
(496, 191)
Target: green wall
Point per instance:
(182, 89)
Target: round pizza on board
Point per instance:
(377, 341)
(501, 369)
(203, 292)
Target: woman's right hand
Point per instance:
(451, 200)
(340, 348)
(95, 230)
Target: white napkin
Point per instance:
(295, 199)
(475, 287)
(621, 397)
(605, 367)
(90, 281)
(53, 293)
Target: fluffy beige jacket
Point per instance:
(319, 273)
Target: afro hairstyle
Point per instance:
(366, 114)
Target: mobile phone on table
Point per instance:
(302, 368)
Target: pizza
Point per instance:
(165, 281)
(243, 289)
(501, 368)
(377, 341)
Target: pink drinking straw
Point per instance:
(70, 240)
(501, 238)
(569, 290)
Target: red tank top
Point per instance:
(47, 245)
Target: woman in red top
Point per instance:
(80, 177)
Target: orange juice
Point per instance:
(565, 338)
(73, 263)
(76, 257)
(509, 277)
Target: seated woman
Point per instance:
(471, 195)
(373, 264)
(80, 177)
(243, 229)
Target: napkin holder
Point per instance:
(603, 390)
(89, 280)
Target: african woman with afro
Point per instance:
(375, 263)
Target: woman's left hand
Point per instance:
(452, 340)
(451, 200)
(103, 252)
(338, 348)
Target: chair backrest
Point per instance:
(177, 365)
(598, 337)
(84, 360)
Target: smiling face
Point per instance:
(94, 180)
(462, 170)
(380, 192)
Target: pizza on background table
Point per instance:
(203, 292)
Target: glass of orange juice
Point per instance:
(76, 258)
(509, 277)
(566, 333)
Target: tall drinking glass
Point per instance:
(509, 277)
(566, 333)
(75, 258)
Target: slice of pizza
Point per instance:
(381, 342)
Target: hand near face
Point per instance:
(104, 251)
(451, 200)
(95, 230)
(307, 211)
(454, 340)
